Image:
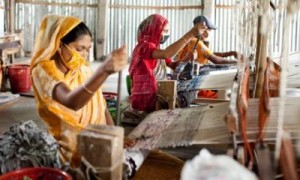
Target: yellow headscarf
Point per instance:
(63, 123)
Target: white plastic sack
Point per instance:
(206, 166)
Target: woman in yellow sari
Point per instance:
(69, 96)
(67, 93)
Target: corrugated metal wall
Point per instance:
(2, 9)
(278, 18)
(126, 15)
(30, 13)
(224, 39)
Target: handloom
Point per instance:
(182, 127)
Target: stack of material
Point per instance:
(101, 149)
(25, 145)
(7, 96)
(182, 127)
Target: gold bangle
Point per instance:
(87, 90)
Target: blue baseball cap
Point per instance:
(206, 20)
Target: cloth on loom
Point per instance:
(206, 69)
(181, 127)
(195, 82)
(25, 145)
(190, 85)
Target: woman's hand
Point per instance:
(116, 61)
(128, 142)
(199, 29)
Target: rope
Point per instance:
(98, 170)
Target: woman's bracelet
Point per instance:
(87, 90)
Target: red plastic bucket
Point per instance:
(36, 174)
(19, 78)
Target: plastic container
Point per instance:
(19, 78)
(128, 84)
(39, 173)
(111, 101)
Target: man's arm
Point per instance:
(226, 54)
(220, 60)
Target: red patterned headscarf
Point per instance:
(149, 31)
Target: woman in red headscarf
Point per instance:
(146, 57)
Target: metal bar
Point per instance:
(56, 3)
(154, 7)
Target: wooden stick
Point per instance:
(261, 55)
(287, 158)
(118, 121)
(265, 165)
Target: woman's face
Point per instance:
(82, 45)
(165, 29)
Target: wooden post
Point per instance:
(11, 16)
(261, 54)
(288, 162)
(168, 90)
(2, 20)
(102, 24)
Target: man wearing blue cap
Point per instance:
(204, 53)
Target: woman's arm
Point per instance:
(77, 98)
(171, 50)
(109, 120)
